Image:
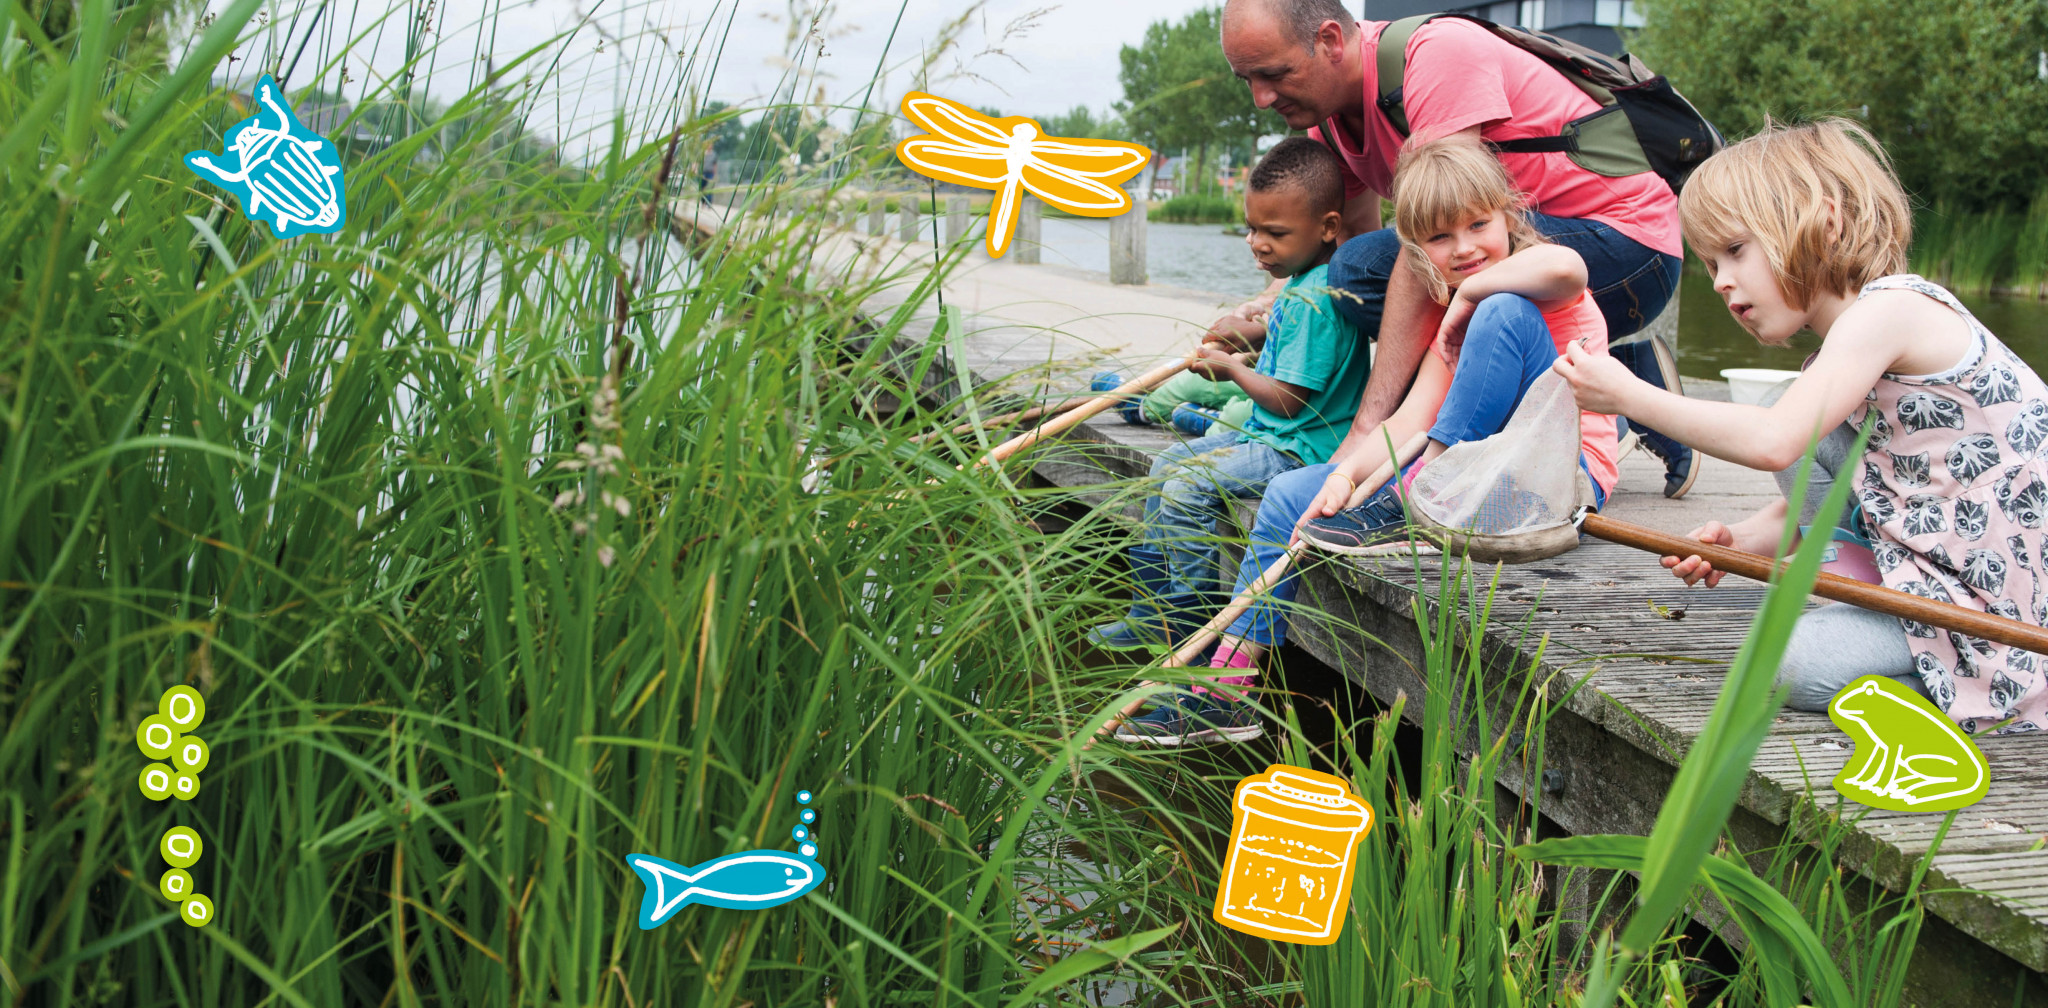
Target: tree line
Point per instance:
(1956, 89)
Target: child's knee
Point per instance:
(1188, 493)
(1166, 461)
(1811, 689)
(1505, 309)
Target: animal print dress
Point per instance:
(1955, 493)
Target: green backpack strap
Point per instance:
(1391, 56)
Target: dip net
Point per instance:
(1511, 497)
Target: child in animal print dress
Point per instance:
(1807, 227)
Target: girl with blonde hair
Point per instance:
(1806, 227)
(1512, 302)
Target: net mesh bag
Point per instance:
(1510, 497)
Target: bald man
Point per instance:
(1311, 62)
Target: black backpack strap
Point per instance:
(1391, 57)
(1534, 145)
(1330, 137)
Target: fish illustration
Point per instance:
(748, 880)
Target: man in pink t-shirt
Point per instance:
(1310, 62)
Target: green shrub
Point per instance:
(1199, 209)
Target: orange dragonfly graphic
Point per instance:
(1010, 154)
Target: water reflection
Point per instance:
(1709, 339)
(1203, 257)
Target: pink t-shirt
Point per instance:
(1581, 319)
(1461, 75)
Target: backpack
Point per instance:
(1643, 123)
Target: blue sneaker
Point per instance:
(1129, 409)
(1142, 628)
(1194, 420)
(1377, 527)
(1193, 719)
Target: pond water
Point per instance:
(1203, 257)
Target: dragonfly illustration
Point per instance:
(285, 174)
(1010, 154)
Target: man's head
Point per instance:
(1294, 207)
(1300, 57)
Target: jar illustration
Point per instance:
(1293, 843)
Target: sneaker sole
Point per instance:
(1127, 646)
(1692, 474)
(1417, 547)
(1206, 737)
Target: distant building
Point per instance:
(1166, 175)
(325, 118)
(1590, 23)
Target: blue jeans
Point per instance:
(1180, 519)
(1507, 347)
(1630, 281)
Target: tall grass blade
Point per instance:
(1710, 779)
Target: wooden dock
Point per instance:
(1650, 652)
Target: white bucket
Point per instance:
(1747, 385)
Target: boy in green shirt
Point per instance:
(1303, 389)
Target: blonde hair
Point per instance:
(1778, 186)
(1439, 182)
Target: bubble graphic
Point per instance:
(156, 736)
(799, 833)
(197, 910)
(155, 781)
(184, 786)
(183, 707)
(180, 846)
(807, 850)
(810, 815)
(191, 754)
(176, 885)
(803, 797)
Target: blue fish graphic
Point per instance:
(748, 880)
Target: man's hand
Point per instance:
(1215, 363)
(1693, 569)
(1600, 382)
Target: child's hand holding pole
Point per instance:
(1692, 569)
(1216, 363)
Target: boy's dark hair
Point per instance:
(1306, 165)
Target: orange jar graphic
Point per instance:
(1293, 841)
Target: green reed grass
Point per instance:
(481, 526)
(1443, 910)
(1986, 250)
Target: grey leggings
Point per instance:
(1835, 645)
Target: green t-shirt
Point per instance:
(1310, 345)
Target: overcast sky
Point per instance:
(1034, 58)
